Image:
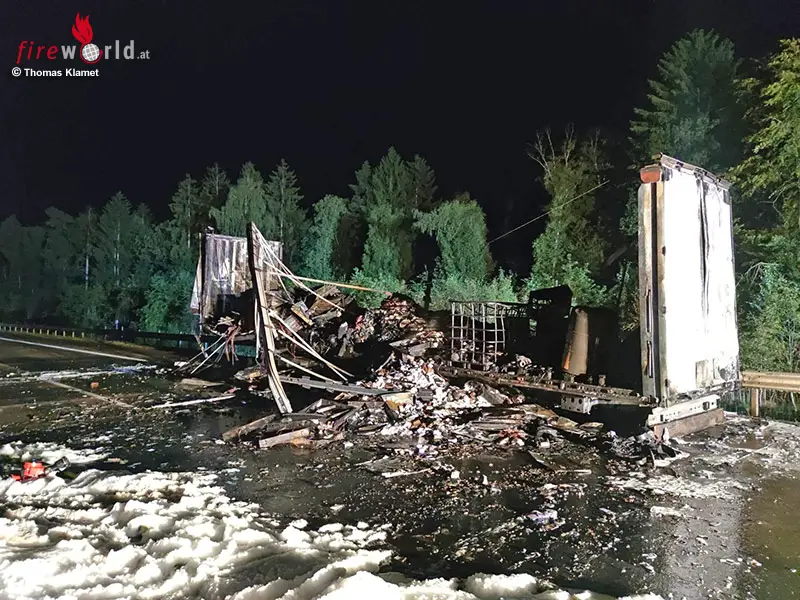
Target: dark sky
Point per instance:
(327, 84)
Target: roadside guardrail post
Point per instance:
(755, 397)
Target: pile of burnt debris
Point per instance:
(403, 404)
(392, 375)
(408, 409)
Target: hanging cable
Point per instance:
(544, 214)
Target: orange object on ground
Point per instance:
(30, 470)
(95, 385)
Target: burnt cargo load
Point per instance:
(688, 338)
(571, 357)
(687, 294)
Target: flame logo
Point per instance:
(82, 30)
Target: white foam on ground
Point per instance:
(159, 535)
(49, 453)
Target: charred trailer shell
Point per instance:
(223, 282)
(687, 295)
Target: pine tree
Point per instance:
(111, 251)
(423, 180)
(325, 243)
(123, 265)
(287, 217)
(187, 210)
(692, 112)
(33, 289)
(362, 188)
(246, 202)
(83, 302)
(389, 206)
(214, 188)
(58, 255)
(13, 262)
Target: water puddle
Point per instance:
(771, 536)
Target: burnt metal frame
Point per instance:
(470, 322)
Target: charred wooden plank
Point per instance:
(284, 438)
(240, 430)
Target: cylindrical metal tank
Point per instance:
(576, 350)
(591, 336)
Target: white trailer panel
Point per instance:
(689, 332)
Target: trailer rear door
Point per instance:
(690, 345)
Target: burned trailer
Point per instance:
(687, 295)
(688, 333)
(222, 295)
(545, 346)
(228, 304)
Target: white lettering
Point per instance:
(68, 51)
(72, 72)
(42, 73)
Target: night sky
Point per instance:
(327, 84)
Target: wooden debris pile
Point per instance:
(407, 404)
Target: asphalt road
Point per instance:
(717, 524)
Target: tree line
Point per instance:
(707, 106)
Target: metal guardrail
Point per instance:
(46, 330)
(771, 380)
(758, 381)
(147, 338)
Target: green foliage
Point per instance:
(123, 266)
(213, 189)
(23, 292)
(188, 212)
(460, 229)
(770, 319)
(381, 284)
(167, 305)
(423, 180)
(362, 189)
(444, 288)
(87, 306)
(771, 168)
(692, 112)
(573, 247)
(13, 265)
(112, 253)
(246, 202)
(60, 247)
(117, 263)
(325, 243)
(85, 233)
(387, 251)
(286, 220)
(627, 295)
(389, 195)
(768, 228)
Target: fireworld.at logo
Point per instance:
(82, 31)
(89, 52)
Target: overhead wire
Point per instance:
(547, 212)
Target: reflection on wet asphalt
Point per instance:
(711, 525)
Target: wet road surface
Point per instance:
(719, 523)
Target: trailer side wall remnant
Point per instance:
(687, 288)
